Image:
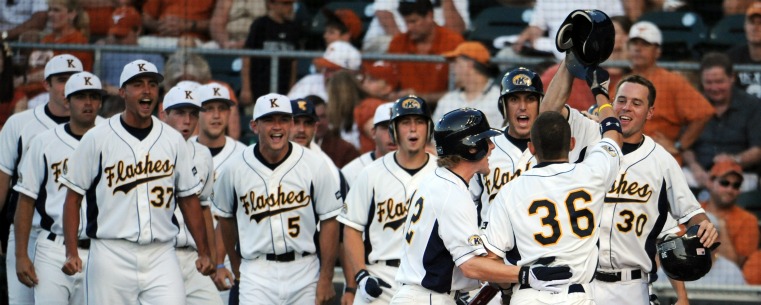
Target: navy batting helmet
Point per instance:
(519, 80)
(589, 35)
(685, 258)
(409, 105)
(464, 132)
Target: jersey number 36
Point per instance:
(575, 215)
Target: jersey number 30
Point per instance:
(551, 220)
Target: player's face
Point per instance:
(724, 190)
(412, 133)
(383, 139)
(84, 106)
(55, 86)
(522, 110)
(753, 30)
(183, 119)
(303, 130)
(717, 85)
(213, 120)
(632, 108)
(140, 97)
(642, 54)
(483, 164)
(273, 131)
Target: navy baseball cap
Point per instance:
(303, 107)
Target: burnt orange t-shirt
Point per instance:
(743, 230)
(185, 9)
(75, 37)
(364, 112)
(425, 77)
(581, 96)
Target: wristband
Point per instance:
(220, 266)
(602, 107)
(609, 124)
(350, 290)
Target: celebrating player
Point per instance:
(383, 143)
(181, 108)
(443, 256)
(376, 205)
(47, 116)
(41, 195)
(141, 166)
(270, 198)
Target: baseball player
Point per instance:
(383, 143)
(376, 206)
(180, 111)
(270, 198)
(143, 170)
(56, 73)
(304, 127)
(549, 212)
(442, 254)
(41, 197)
(213, 121)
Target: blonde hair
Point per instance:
(449, 161)
(81, 20)
(183, 63)
(344, 94)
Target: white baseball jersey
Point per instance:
(351, 170)
(130, 184)
(40, 172)
(441, 232)
(204, 166)
(507, 161)
(649, 186)
(276, 210)
(554, 210)
(9, 140)
(377, 205)
(231, 148)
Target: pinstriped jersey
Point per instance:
(205, 172)
(231, 147)
(507, 161)
(9, 139)
(649, 186)
(131, 184)
(40, 172)
(440, 233)
(352, 169)
(276, 211)
(554, 209)
(377, 205)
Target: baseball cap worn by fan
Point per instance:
(139, 68)
(382, 70)
(64, 63)
(304, 107)
(270, 104)
(753, 10)
(181, 96)
(647, 31)
(124, 20)
(339, 55)
(346, 17)
(382, 114)
(213, 92)
(726, 167)
(82, 81)
(470, 49)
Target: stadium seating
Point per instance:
(499, 21)
(682, 32)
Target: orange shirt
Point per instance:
(75, 37)
(425, 77)
(99, 17)
(581, 97)
(752, 269)
(364, 112)
(185, 9)
(743, 230)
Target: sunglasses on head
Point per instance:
(726, 183)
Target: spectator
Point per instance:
(738, 228)
(549, 14)
(340, 55)
(20, 16)
(581, 98)
(423, 37)
(9, 96)
(69, 24)
(749, 53)
(98, 11)
(379, 80)
(231, 20)
(168, 20)
(344, 95)
(275, 31)
(383, 143)
(752, 269)
(125, 28)
(387, 23)
(340, 151)
(474, 79)
(732, 133)
(343, 25)
(682, 111)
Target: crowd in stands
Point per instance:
(707, 120)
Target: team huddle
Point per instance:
(559, 207)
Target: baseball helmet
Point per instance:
(519, 80)
(409, 105)
(589, 35)
(461, 130)
(684, 258)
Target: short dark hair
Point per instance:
(419, 7)
(551, 136)
(716, 59)
(638, 79)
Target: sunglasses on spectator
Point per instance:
(726, 183)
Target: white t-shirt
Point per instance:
(487, 102)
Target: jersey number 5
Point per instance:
(551, 220)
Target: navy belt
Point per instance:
(573, 288)
(612, 277)
(82, 243)
(285, 257)
(392, 262)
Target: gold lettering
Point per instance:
(624, 187)
(122, 173)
